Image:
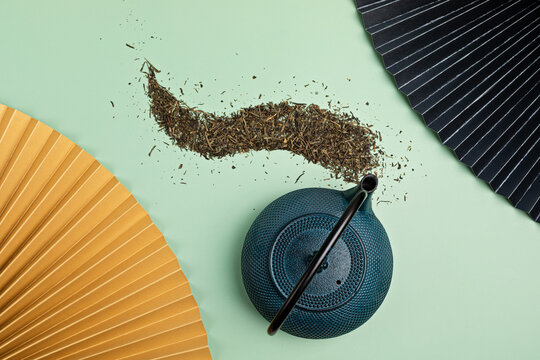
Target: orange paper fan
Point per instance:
(84, 273)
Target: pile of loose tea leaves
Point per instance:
(329, 137)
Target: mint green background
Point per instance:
(467, 264)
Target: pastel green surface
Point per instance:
(466, 273)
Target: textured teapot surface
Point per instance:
(349, 286)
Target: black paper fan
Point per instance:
(471, 69)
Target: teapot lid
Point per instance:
(338, 278)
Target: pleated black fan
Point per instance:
(471, 69)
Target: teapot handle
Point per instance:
(366, 186)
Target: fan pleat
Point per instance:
(477, 154)
(424, 80)
(471, 69)
(136, 325)
(84, 273)
(515, 194)
(530, 203)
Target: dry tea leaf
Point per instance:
(331, 138)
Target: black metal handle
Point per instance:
(367, 185)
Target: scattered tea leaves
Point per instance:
(152, 149)
(329, 137)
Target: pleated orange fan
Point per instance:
(84, 273)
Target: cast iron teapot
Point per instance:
(316, 262)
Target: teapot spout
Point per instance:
(368, 184)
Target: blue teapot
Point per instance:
(317, 263)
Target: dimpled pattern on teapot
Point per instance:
(313, 317)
